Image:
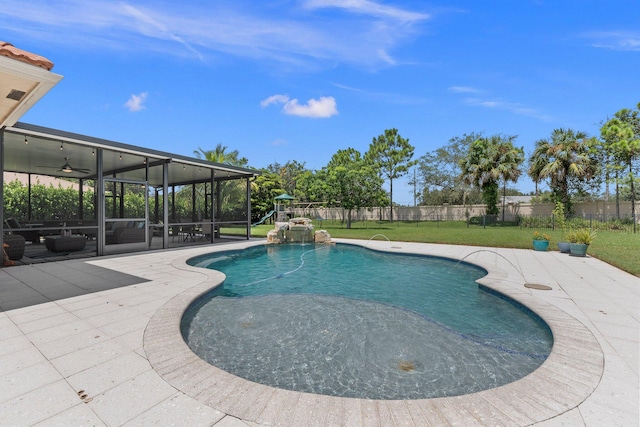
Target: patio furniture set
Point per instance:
(15, 240)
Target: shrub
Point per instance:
(585, 236)
(540, 236)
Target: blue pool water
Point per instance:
(347, 321)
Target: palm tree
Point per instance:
(475, 167)
(220, 155)
(535, 168)
(507, 165)
(228, 191)
(563, 156)
(489, 161)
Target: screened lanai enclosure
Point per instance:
(66, 193)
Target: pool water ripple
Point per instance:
(352, 322)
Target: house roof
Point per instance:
(40, 150)
(24, 79)
(10, 51)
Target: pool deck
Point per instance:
(96, 342)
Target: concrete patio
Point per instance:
(93, 342)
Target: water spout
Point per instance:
(381, 235)
(526, 284)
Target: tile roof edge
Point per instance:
(10, 51)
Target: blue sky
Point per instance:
(283, 80)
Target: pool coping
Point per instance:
(567, 377)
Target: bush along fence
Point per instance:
(475, 217)
(590, 221)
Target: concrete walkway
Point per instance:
(74, 351)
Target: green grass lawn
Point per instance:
(620, 249)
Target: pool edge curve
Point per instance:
(568, 376)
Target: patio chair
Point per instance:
(31, 235)
(16, 243)
(207, 229)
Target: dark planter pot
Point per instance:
(540, 245)
(564, 247)
(578, 249)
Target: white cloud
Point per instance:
(349, 88)
(385, 57)
(148, 25)
(463, 89)
(134, 103)
(616, 40)
(386, 97)
(367, 7)
(473, 99)
(321, 108)
(279, 142)
(315, 108)
(274, 99)
(512, 107)
(290, 36)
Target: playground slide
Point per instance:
(264, 218)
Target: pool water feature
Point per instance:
(353, 322)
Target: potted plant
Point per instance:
(540, 241)
(560, 222)
(580, 241)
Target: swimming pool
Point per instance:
(351, 322)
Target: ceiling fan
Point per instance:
(67, 168)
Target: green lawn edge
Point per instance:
(620, 249)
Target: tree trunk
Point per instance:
(617, 196)
(564, 189)
(348, 219)
(633, 194)
(391, 198)
(606, 188)
(504, 195)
